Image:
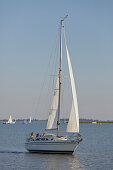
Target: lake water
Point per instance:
(94, 152)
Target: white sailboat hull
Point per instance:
(51, 147)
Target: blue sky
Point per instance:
(28, 33)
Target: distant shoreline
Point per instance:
(96, 121)
(81, 121)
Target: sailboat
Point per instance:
(25, 121)
(51, 143)
(10, 121)
(30, 119)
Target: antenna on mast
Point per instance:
(64, 17)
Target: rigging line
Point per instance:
(53, 80)
(55, 64)
(50, 85)
(43, 84)
(57, 54)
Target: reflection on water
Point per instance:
(54, 161)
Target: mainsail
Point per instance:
(73, 124)
(54, 106)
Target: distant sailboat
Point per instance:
(51, 143)
(10, 121)
(25, 121)
(30, 119)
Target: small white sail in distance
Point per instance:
(54, 107)
(73, 124)
(10, 119)
(30, 119)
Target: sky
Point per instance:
(28, 36)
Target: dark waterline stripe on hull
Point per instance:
(48, 151)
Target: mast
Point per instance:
(58, 120)
(60, 69)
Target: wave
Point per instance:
(8, 151)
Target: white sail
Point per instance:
(30, 119)
(54, 107)
(73, 124)
(10, 119)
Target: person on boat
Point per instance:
(44, 134)
(32, 135)
(79, 137)
(37, 135)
